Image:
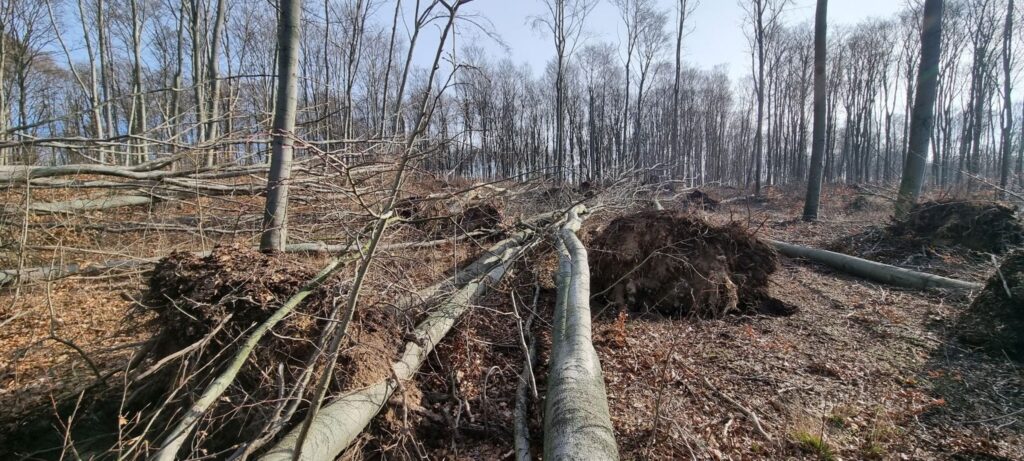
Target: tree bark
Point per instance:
(1007, 160)
(820, 107)
(923, 116)
(872, 270)
(275, 216)
(577, 424)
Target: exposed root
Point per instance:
(991, 227)
(995, 320)
(679, 264)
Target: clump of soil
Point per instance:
(699, 200)
(437, 218)
(679, 264)
(868, 203)
(220, 298)
(995, 320)
(990, 227)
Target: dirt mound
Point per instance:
(995, 320)
(700, 201)
(991, 227)
(679, 264)
(868, 203)
(221, 297)
(437, 218)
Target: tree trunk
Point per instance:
(870, 270)
(275, 216)
(1007, 160)
(923, 117)
(818, 143)
(577, 424)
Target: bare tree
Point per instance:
(765, 16)
(818, 142)
(922, 120)
(683, 10)
(564, 20)
(1007, 128)
(275, 216)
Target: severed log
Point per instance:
(871, 270)
(92, 204)
(577, 423)
(527, 386)
(51, 273)
(48, 273)
(337, 424)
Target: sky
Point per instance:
(716, 28)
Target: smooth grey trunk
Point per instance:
(275, 216)
(870, 270)
(1007, 154)
(197, 71)
(213, 77)
(103, 203)
(577, 424)
(677, 78)
(339, 423)
(923, 117)
(138, 122)
(820, 107)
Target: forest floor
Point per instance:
(859, 371)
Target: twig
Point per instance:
(748, 413)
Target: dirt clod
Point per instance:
(700, 200)
(977, 225)
(995, 320)
(218, 299)
(678, 264)
(438, 219)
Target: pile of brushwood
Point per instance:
(678, 264)
(699, 200)
(995, 320)
(439, 218)
(951, 227)
(214, 302)
(991, 227)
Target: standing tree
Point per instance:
(634, 14)
(765, 16)
(1004, 170)
(275, 215)
(923, 116)
(685, 7)
(818, 143)
(565, 22)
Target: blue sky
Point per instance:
(716, 28)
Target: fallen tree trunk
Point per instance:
(92, 204)
(339, 423)
(577, 423)
(51, 273)
(871, 270)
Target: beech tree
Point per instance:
(818, 143)
(275, 216)
(924, 104)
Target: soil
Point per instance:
(437, 219)
(678, 264)
(216, 301)
(700, 200)
(995, 320)
(860, 371)
(991, 227)
(869, 203)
